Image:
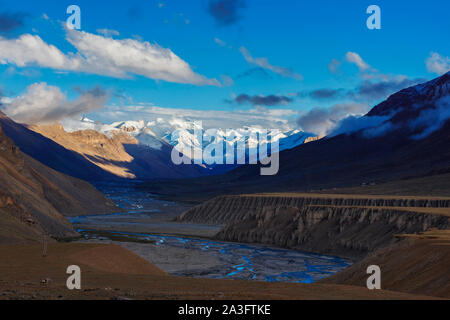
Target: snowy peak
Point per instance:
(137, 129)
(249, 139)
(185, 135)
(414, 112)
(408, 103)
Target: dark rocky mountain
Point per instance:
(51, 153)
(34, 198)
(93, 156)
(408, 103)
(416, 144)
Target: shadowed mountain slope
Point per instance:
(51, 153)
(120, 154)
(34, 198)
(414, 142)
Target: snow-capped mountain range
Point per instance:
(185, 134)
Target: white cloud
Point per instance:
(29, 50)
(122, 57)
(371, 126)
(42, 103)
(265, 64)
(283, 119)
(432, 119)
(438, 64)
(220, 42)
(427, 122)
(322, 121)
(355, 58)
(108, 32)
(334, 65)
(103, 56)
(227, 80)
(375, 85)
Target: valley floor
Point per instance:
(112, 272)
(390, 231)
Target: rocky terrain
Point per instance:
(192, 139)
(407, 236)
(34, 198)
(94, 156)
(227, 209)
(348, 226)
(50, 153)
(106, 152)
(436, 185)
(112, 272)
(120, 153)
(419, 263)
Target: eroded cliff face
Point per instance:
(347, 227)
(348, 232)
(227, 209)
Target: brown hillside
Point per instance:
(33, 198)
(419, 264)
(103, 151)
(112, 272)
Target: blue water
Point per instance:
(253, 262)
(237, 261)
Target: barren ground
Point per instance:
(112, 272)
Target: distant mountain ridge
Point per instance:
(51, 153)
(180, 133)
(412, 140)
(119, 154)
(128, 149)
(145, 139)
(409, 102)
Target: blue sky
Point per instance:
(279, 50)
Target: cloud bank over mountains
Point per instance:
(322, 121)
(42, 103)
(257, 117)
(350, 104)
